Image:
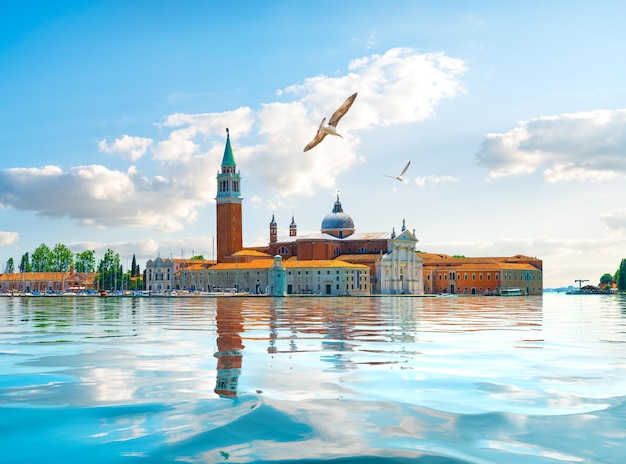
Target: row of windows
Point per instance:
(454, 276)
(507, 276)
(284, 251)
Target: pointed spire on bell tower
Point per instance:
(228, 159)
(273, 230)
(293, 229)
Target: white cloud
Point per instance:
(422, 181)
(8, 238)
(129, 147)
(615, 220)
(97, 196)
(398, 87)
(587, 146)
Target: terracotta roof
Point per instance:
(360, 257)
(499, 265)
(251, 252)
(289, 264)
(48, 276)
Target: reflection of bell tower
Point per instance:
(229, 323)
(228, 204)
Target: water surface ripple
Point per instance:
(313, 379)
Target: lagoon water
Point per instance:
(313, 379)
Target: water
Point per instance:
(305, 380)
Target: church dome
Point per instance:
(338, 223)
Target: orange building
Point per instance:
(45, 282)
(460, 275)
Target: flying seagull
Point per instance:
(331, 128)
(400, 178)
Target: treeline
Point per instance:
(619, 278)
(61, 259)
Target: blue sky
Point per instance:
(113, 117)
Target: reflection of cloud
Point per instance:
(575, 146)
(397, 87)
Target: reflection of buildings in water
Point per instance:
(229, 322)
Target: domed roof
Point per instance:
(338, 223)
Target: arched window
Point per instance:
(337, 251)
(362, 250)
(283, 251)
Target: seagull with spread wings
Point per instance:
(400, 178)
(331, 127)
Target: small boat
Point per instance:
(446, 295)
(511, 291)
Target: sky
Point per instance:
(113, 119)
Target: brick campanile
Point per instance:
(228, 204)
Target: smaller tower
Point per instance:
(273, 230)
(293, 230)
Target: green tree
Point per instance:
(41, 260)
(62, 258)
(621, 282)
(109, 268)
(85, 261)
(25, 263)
(197, 257)
(10, 266)
(606, 279)
(133, 266)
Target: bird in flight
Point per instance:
(400, 178)
(331, 127)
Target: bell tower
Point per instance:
(228, 205)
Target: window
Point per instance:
(480, 276)
(488, 277)
(473, 276)
(362, 250)
(337, 251)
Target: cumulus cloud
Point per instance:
(8, 238)
(97, 196)
(588, 145)
(129, 147)
(398, 87)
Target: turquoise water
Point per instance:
(306, 380)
